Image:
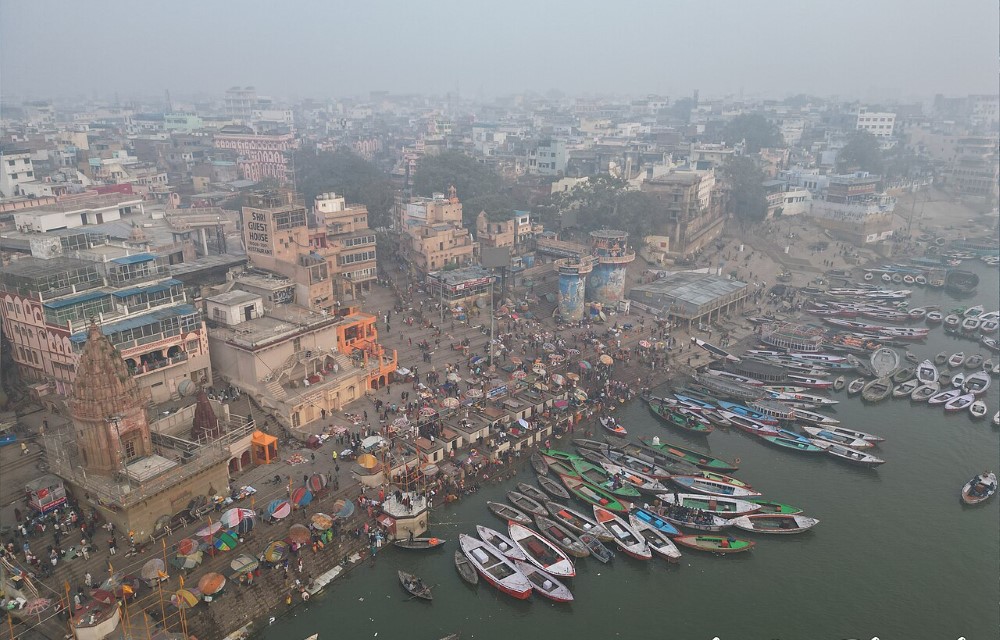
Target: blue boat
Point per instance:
(693, 402)
(747, 412)
(656, 521)
(791, 435)
(794, 445)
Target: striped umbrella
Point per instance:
(226, 541)
(301, 497)
(343, 508)
(233, 517)
(243, 563)
(189, 561)
(317, 482)
(209, 530)
(187, 546)
(185, 598)
(278, 509)
(245, 526)
(276, 551)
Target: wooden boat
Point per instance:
(553, 488)
(956, 360)
(990, 343)
(495, 568)
(853, 433)
(980, 489)
(839, 383)
(838, 438)
(597, 549)
(713, 487)
(884, 362)
(612, 427)
(924, 392)
(941, 358)
(506, 512)
(544, 584)
(715, 544)
(978, 410)
(970, 325)
(951, 322)
(655, 521)
(945, 378)
(673, 418)
(526, 504)
(747, 412)
(934, 318)
(465, 568)
(961, 403)
(816, 418)
(594, 495)
(577, 521)
(977, 383)
(877, 390)
(905, 389)
(927, 372)
(775, 523)
(722, 507)
(656, 540)
(540, 552)
(944, 397)
(532, 492)
(856, 386)
(671, 464)
(642, 482)
(419, 543)
(958, 380)
(599, 477)
(538, 463)
(555, 455)
(975, 362)
(562, 536)
(904, 374)
(414, 586)
(849, 455)
(793, 445)
(642, 464)
(692, 519)
(594, 445)
(768, 507)
(751, 426)
(974, 311)
(500, 542)
(691, 456)
(721, 477)
(909, 356)
(627, 538)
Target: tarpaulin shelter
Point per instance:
(265, 448)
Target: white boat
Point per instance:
(943, 397)
(849, 455)
(989, 326)
(980, 489)
(960, 403)
(977, 383)
(927, 372)
(802, 415)
(958, 380)
(884, 361)
(951, 321)
(978, 409)
(838, 438)
(904, 389)
(956, 360)
(973, 312)
(934, 317)
(970, 325)
(924, 392)
(628, 539)
(717, 506)
(856, 386)
(657, 541)
(711, 487)
(540, 552)
(495, 567)
(861, 435)
(640, 481)
(544, 583)
(775, 523)
(501, 542)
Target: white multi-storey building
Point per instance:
(878, 123)
(17, 169)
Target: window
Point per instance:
(297, 344)
(129, 450)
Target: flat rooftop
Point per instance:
(686, 292)
(236, 296)
(277, 325)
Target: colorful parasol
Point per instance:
(606, 359)
(245, 526)
(474, 393)
(321, 521)
(558, 379)
(516, 360)
(233, 517)
(153, 570)
(226, 541)
(518, 375)
(318, 481)
(187, 546)
(556, 358)
(538, 370)
(301, 497)
(400, 423)
(276, 551)
(209, 530)
(367, 461)
(572, 376)
(243, 563)
(343, 508)
(427, 411)
(189, 561)
(185, 598)
(584, 364)
(36, 606)
(644, 344)
(211, 583)
(580, 395)
(454, 377)
(450, 402)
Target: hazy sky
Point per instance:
(300, 48)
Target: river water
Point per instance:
(896, 555)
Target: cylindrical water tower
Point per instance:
(572, 285)
(606, 283)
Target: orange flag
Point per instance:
(182, 581)
(111, 569)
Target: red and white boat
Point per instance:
(500, 542)
(544, 583)
(540, 552)
(628, 539)
(495, 568)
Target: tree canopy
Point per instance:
(747, 198)
(479, 187)
(755, 129)
(349, 175)
(861, 153)
(602, 202)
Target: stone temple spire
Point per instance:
(206, 425)
(107, 408)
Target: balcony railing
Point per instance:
(156, 365)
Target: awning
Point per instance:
(70, 301)
(263, 439)
(136, 259)
(156, 288)
(139, 321)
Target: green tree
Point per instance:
(861, 153)
(755, 129)
(747, 198)
(479, 187)
(348, 174)
(602, 202)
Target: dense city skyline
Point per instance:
(875, 51)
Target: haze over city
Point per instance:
(894, 49)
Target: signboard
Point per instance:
(258, 233)
(496, 392)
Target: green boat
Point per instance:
(794, 445)
(665, 414)
(768, 507)
(721, 477)
(594, 495)
(691, 456)
(556, 454)
(714, 544)
(598, 476)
